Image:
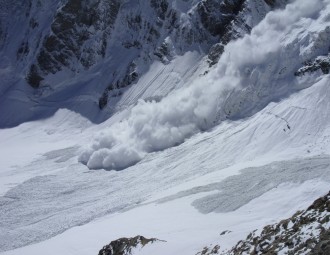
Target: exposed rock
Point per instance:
(216, 15)
(33, 77)
(62, 41)
(222, 21)
(209, 251)
(73, 36)
(130, 77)
(125, 246)
(23, 50)
(225, 232)
(320, 63)
(305, 232)
(103, 100)
(215, 53)
(232, 23)
(161, 7)
(81, 30)
(270, 2)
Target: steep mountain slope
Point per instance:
(252, 72)
(213, 137)
(81, 54)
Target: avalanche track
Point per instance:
(206, 154)
(216, 177)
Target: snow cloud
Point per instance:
(254, 59)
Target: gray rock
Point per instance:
(125, 246)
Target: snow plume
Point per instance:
(254, 59)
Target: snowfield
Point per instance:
(201, 160)
(178, 183)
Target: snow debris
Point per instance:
(252, 72)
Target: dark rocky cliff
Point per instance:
(68, 48)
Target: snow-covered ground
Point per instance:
(193, 177)
(186, 195)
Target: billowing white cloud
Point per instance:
(254, 61)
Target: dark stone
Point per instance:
(23, 50)
(124, 246)
(270, 2)
(323, 246)
(33, 23)
(274, 237)
(33, 77)
(215, 53)
(216, 15)
(161, 7)
(63, 46)
(311, 66)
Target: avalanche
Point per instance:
(206, 154)
(252, 72)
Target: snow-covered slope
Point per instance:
(81, 55)
(207, 154)
(282, 171)
(252, 72)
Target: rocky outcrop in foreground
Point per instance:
(306, 232)
(125, 246)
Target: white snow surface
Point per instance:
(189, 230)
(264, 60)
(190, 173)
(180, 194)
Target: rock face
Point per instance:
(77, 38)
(234, 21)
(209, 251)
(320, 63)
(125, 246)
(73, 48)
(306, 232)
